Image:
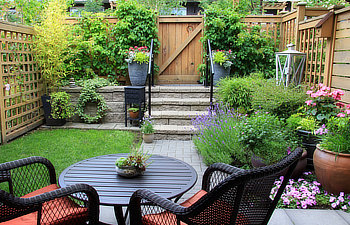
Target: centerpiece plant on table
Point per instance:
(137, 60)
(134, 164)
(147, 129)
(222, 64)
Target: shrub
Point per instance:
(265, 136)
(61, 105)
(277, 99)
(253, 50)
(99, 47)
(255, 93)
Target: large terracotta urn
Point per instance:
(332, 170)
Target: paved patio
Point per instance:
(186, 151)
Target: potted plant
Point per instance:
(137, 60)
(134, 112)
(133, 165)
(305, 127)
(222, 64)
(147, 130)
(332, 155)
(58, 108)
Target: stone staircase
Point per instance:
(173, 107)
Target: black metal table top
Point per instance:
(168, 177)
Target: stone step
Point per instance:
(173, 132)
(176, 104)
(181, 92)
(175, 117)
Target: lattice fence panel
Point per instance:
(271, 28)
(20, 87)
(315, 49)
(287, 33)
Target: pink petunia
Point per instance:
(308, 102)
(309, 92)
(341, 115)
(340, 104)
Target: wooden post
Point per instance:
(300, 17)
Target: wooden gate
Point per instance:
(180, 49)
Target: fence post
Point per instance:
(300, 17)
(282, 27)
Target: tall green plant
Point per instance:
(51, 42)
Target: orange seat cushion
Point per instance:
(167, 218)
(59, 211)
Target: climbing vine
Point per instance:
(89, 95)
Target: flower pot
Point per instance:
(298, 170)
(148, 138)
(332, 170)
(129, 171)
(134, 115)
(220, 72)
(309, 142)
(137, 73)
(49, 121)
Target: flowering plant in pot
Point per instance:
(137, 60)
(134, 112)
(222, 64)
(147, 130)
(134, 164)
(332, 155)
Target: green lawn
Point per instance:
(63, 147)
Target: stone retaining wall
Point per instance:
(114, 96)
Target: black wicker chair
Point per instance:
(30, 195)
(230, 196)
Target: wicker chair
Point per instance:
(33, 197)
(229, 195)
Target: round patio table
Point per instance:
(167, 177)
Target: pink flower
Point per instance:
(314, 104)
(334, 205)
(331, 199)
(344, 207)
(341, 115)
(7, 87)
(347, 111)
(308, 102)
(309, 92)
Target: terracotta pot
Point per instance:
(332, 170)
(148, 138)
(134, 115)
(299, 169)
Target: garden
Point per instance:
(253, 123)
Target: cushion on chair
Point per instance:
(170, 219)
(63, 211)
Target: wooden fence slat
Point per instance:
(340, 82)
(342, 44)
(342, 57)
(343, 33)
(342, 69)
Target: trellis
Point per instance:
(20, 88)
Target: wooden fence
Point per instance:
(20, 88)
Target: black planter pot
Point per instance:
(309, 142)
(47, 113)
(299, 169)
(220, 72)
(137, 73)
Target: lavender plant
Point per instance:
(217, 136)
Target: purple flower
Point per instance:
(334, 205)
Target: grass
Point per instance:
(64, 147)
